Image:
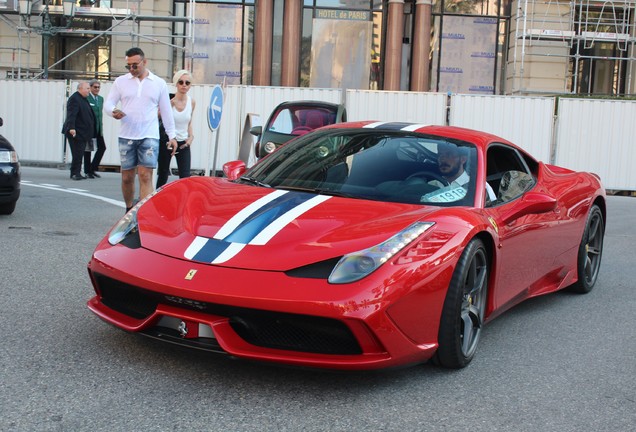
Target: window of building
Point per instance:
(468, 7)
(341, 44)
(85, 55)
(277, 42)
(248, 45)
(599, 59)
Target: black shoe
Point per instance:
(95, 175)
(127, 209)
(90, 175)
(77, 177)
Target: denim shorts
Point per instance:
(141, 152)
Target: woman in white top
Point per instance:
(182, 109)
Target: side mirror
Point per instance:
(531, 203)
(1, 122)
(234, 169)
(256, 130)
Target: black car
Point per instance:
(9, 176)
(292, 119)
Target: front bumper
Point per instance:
(259, 315)
(9, 183)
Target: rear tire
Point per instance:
(590, 252)
(464, 308)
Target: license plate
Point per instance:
(187, 329)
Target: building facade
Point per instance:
(456, 46)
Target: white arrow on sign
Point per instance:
(215, 107)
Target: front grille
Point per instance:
(295, 332)
(266, 329)
(7, 190)
(125, 298)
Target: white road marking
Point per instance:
(81, 192)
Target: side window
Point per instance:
(507, 174)
(284, 122)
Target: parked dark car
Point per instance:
(9, 176)
(292, 119)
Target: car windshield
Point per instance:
(402, 167)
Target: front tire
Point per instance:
(590, 252)
(464, 308)
(8, 208)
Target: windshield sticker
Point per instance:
(445, 195)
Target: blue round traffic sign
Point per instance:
(216, 107)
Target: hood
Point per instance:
(215, 221)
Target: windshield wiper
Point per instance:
(253, 181)
(334, 193)
(318, 191)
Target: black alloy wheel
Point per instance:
(464, 308)
(590, 252)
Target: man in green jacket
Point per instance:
(97, 103)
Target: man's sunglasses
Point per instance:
(132, 66)
(182, 82)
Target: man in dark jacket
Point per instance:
(97, 103)
(79, 127)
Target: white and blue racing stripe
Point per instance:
(256, 224)
(238, 218)
(409, 127)
(205, 249)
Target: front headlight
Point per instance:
(8, 156)
(125, 226)
(128, 223)
(356, 265)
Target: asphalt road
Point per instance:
(562, 362)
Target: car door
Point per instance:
(292, 119)
(525, 217)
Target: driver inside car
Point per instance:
(447, 182)
(451, 161)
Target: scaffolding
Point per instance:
(572, 46)
(126, 21)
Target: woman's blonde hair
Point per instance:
(178, 74)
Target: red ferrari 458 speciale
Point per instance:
(357, 246)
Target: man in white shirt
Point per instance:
(140, 94)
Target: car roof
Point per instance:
(479, 138)
(309, 103)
